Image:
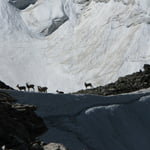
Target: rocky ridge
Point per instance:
(4, 86)
(136, 81)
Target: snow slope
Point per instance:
(63, 43)
(88, 122)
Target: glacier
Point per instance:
(63, 43)
(86, 122)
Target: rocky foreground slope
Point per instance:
(136, 81)
(20, 126)
(89, 122)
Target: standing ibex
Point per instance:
(30, 86)
(88, 85)
(21, 87)
(59, 92)
(42, 89)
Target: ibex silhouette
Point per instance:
(21, 87)
(42, 89)
(59, 92)
(30, 86)
(88, 85)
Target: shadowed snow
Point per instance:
(89, 122)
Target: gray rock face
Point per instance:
(21, 4)
(56, 23)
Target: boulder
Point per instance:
(54, 146)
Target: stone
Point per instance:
(36, 146)
(55, 146)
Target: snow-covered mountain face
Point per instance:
(63, 43)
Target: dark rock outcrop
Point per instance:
(19, 125)
(4, 86)
(129, 83)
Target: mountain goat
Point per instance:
(30, 86)
(88, 85)
(42, 89)
(21, 87)
(59, 92)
